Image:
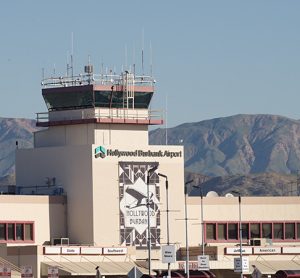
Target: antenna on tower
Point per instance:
(143, 52)
(166, 122)
(151, 60)
(133, 58)
(72, 50)
(126, 65)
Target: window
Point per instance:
(222, 231)
(233, 231)
(211, 231)
(20, 231)
(290, 231)
(267, 230)
(16, 232)
(28, 231)
(255, 230)
(2, 231)
(245, 231)
(228, 231)
(278, 230)
(11, 231)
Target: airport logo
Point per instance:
(100, 152)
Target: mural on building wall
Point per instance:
(133, 204)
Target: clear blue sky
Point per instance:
(210, 58)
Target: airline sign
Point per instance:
(5, 272)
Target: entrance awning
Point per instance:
(88, 268)
(271, 267)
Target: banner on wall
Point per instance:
(133, 204)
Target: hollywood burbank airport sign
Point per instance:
(103, 152)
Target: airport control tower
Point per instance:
(94, 145)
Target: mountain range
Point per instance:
(11, 131)
(241, 144)
(258, 153)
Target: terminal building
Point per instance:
(92, 194)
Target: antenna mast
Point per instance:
(72, 71)
(151, 62)
(143, 52)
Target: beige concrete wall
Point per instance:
(84, 134)
(121, 135)
(71, 166)
(252, 209)
(47, 212)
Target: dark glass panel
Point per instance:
(290, 231)
(245, 231)
(2, 231)
(68, 100)
(142, 99)
(102, 98)
(211, 231)
(255, 230)
(20, 231)
(278, 230)
(11, 231)
(232, 231)
(267, 230)
(28, 231)
(222, 231)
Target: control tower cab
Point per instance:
(105, 100)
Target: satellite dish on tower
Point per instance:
(212, 194)
(229, 195)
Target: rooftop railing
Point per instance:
(98, 113)
(95, 79)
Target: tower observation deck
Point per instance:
(98, 98)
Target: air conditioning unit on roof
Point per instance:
(60, 241)
(258, 241)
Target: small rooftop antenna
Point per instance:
(151, 59)
(133, 58)
(54, 70)
(143, 52)
(72, 53)
(166, 119)
(126, 65)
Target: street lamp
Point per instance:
(186, 231)
(150, 171)
(167, 204)
(240, 224)
(202, 223)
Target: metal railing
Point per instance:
(114, 113)
(95, 79)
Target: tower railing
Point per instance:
(99, 113)
(95, 79)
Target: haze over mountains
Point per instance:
(241, 151)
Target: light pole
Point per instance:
(150, 171)
(202, 223)
(167, 204)
(240, 230)
(186, 231)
